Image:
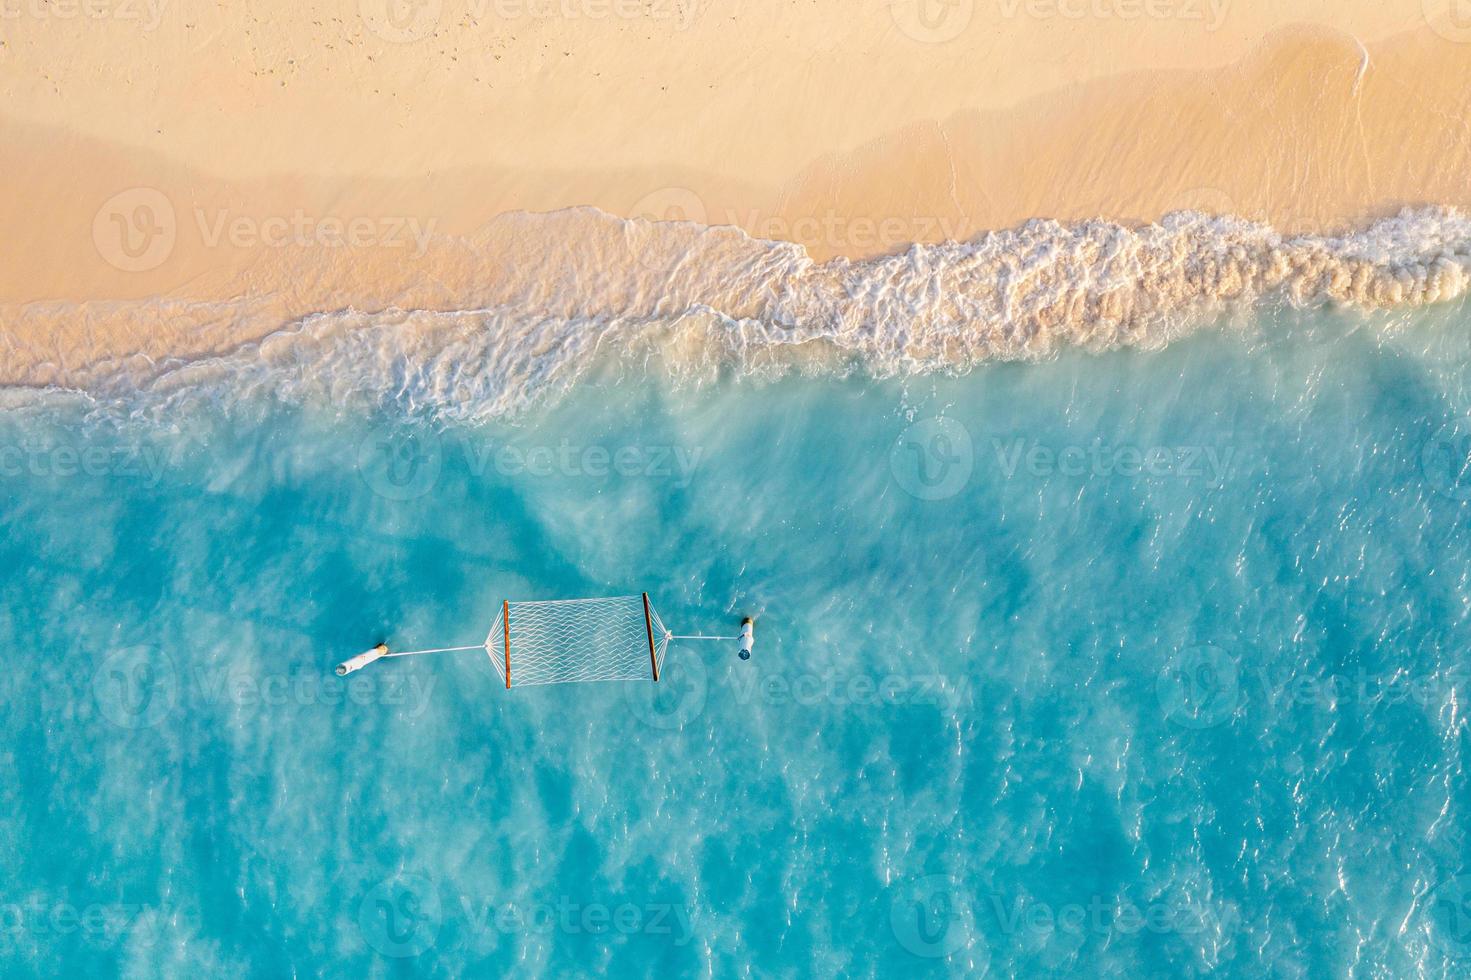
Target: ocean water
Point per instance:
(1112, 663)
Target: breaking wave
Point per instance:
(580, 289)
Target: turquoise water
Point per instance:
(1113, 663)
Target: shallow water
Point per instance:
(1110, 663)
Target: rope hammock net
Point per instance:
(568, 641)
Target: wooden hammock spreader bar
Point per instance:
(649, 626)
(506, 615)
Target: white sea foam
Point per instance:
(598, 290)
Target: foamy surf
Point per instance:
(576, 289)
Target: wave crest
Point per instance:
(583, 288)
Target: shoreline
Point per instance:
(121, 234)
(703, 300)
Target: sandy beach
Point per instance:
(185, 177)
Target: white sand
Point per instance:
(295, 157)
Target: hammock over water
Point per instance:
(565, 641)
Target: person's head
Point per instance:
(745, 654)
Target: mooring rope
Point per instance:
(413, 653)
